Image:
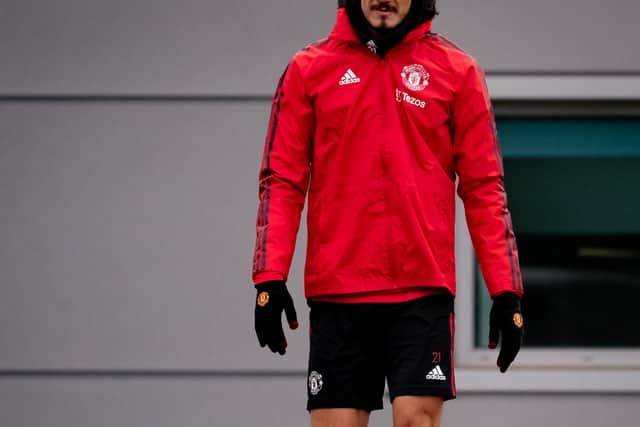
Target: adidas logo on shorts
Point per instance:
(436, 374)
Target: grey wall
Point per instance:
(130, 136)
(127, 232)
(240, 47)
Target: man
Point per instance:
(375, 123)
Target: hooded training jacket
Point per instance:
(376, 144)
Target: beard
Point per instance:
(384, 31)
(382, 25)
(385, 22)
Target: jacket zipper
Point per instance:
(386, 154)
(385, 160)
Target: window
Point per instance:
(573, 187)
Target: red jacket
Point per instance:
(376, 144)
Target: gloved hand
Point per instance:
(273, 297)
(506, 321)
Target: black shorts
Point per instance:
(355, 347)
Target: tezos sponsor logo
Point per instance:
(415, 77)
(315, 383)
(402, 96)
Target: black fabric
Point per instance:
(385, 39)
(273, 298)
(355, 347)
(506, 325)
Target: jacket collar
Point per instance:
(342, 29)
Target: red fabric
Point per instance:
(378, 157)
(452, 334)
(389, 296)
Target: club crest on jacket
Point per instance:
(415, 77)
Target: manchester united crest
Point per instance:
(315, 383)
(263, 299)
(517, 320)
(415, 77)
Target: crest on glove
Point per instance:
(517, 320)
(263, 299)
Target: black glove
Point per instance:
(273, 297)
(506, 321)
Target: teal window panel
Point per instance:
(574, 195)
(569, 137)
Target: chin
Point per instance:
(385, 25)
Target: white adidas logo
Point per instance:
(349, 78)
(436, 374)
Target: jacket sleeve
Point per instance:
(283, 177)
(478, 163)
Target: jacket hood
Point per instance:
(385, 39)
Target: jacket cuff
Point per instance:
(517, 292)
(267, 276)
